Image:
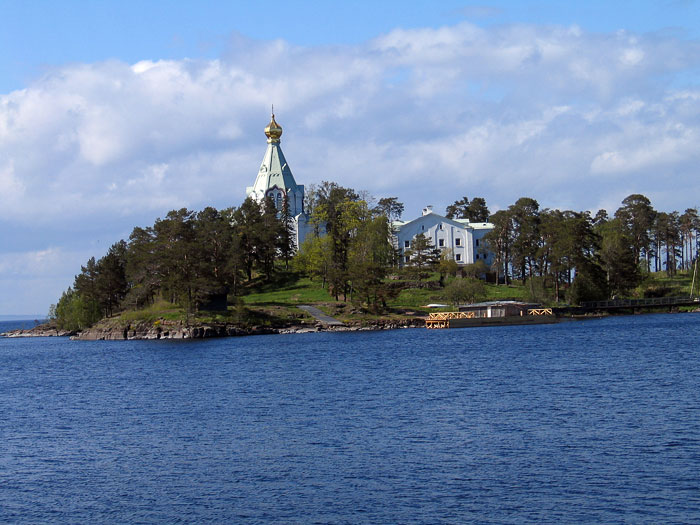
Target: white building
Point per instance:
(463, 238)
(275, 179)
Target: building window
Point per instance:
(441, 242)
(406, 244)
(458, 242)
(476, 256)
(408, 259)
(458, 257)
(477, 242)
(422, 227)
(440, 226)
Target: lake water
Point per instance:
(595, 421)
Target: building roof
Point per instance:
(428, 213)
(501, 303)
(274, 170)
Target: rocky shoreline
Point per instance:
(42, 330)
(144, 330)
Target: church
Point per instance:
(275, 180)
(463, 238)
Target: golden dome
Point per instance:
(273, 131)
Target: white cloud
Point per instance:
(570, 118)
(49, 262)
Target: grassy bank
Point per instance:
(275, 303)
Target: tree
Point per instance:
(474, 211)
(637, 216)
(667, 236)
(74, 312)
(689, 224)
(141, 268)
(420, 256)
(314, 258)
(213, 241)
(526, 236)
(111, 282)
(499, 241)
(458, 209)
(248, 221)
(618, 257)
(477, 210)
(269, 232)
(286, 243)
(390, 208)
(339, 210)
(369, 258)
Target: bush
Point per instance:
(464, 290)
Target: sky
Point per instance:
(113, 113)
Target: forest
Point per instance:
(207, 259)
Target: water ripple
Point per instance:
(578, 422)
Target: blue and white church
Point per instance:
(275, 180)
(462, 238)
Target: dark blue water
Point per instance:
(595, 421)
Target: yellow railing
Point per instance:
(540, 311)
(442, 319)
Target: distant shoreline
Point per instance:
(22, 317)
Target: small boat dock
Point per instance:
(492, 313)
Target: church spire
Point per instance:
(273, 130)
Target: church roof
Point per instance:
(274, 170)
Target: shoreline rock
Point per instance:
(147, 331)
(109, 330)
(42, 330)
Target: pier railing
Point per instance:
(442, 319)
(640, 303)
(540, 311)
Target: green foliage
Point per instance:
(447, 266)
(636, 217)
(423, 257)
(193, 260)
(390, 208)
(464, 290)
(474, 211)
(285, 241)
(315, 258)
(369, 258)
(475, 270)
(76, 312)
(618, 258)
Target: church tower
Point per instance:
(275, 178)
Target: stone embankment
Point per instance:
(110, 330)
(164, 330)
(179, 330)
(39, 331)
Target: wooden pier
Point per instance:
(438, 320)
(638, 304)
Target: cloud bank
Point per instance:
(576, 120)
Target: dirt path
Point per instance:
(320, 316)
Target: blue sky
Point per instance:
(113, 113)
(36, 35)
